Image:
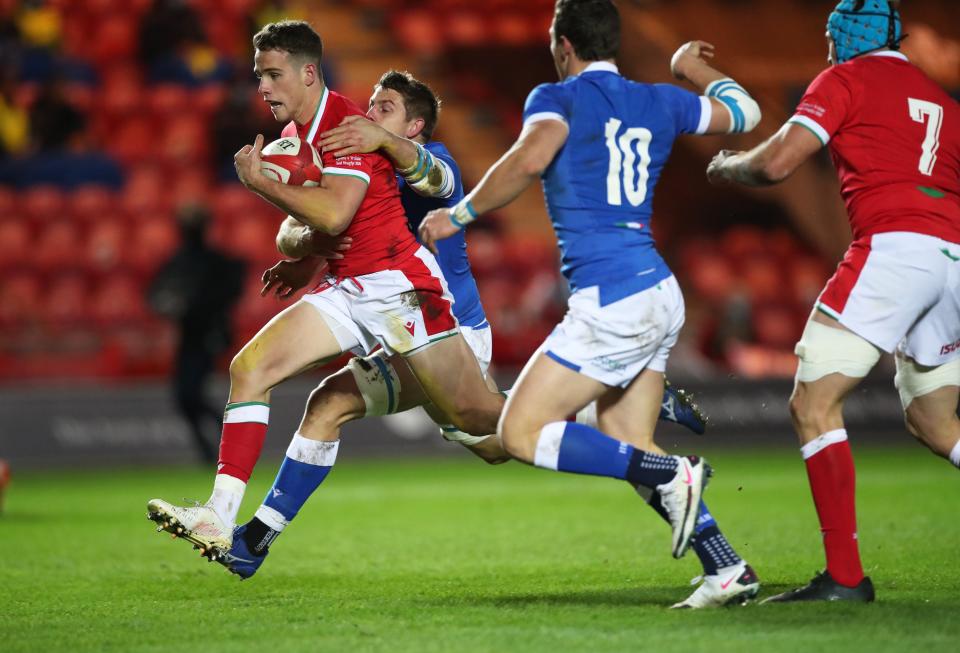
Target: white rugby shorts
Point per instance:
(900, 290)
(401, 309)
(614, 343)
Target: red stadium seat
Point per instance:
(466, 28)
(512, 29)
(253, 239)
(118, 299)
(65, 302)
(152, 242)
(419, 32)
(776, 326)
(164, 100)
(741, 242)
(20, 298)
(44, 203)
(184, 141)
(145, 192)
(134, 141)
(712, 277)
(764, 280)
(106, 244)
(231, 201)
(15, 242)
(58, 245)
(9, 204)
(90, 203)
(116, 37)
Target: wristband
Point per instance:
(462, 214)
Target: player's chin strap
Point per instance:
(744, 110)
(429, 176)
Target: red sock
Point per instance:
(832, 481)
(244, 430)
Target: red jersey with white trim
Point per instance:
(894, 136)
(381, 237)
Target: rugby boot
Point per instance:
(199, 525)
(680, 498)
(824, 588)
(240, 559)
(734, 585)
(678, 406)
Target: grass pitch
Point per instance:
(451, 555)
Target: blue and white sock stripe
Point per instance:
(817, 445)
(313, 452)
(271, 517)
(249, 411)
(547, 455)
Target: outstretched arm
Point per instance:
(426, 174)
(522, 165)
(768, 163)
(733, 110)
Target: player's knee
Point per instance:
(244, 373)
(475, 416)
(518, 440)
(332, 404)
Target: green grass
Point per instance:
(450, 555)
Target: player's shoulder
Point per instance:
(438, 148)
(341, 106)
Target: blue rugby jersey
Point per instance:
(599, 186)
(452, 252)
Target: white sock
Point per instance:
(955, 454)
(822, 442)
(226, 497)
(271, 518)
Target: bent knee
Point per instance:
(334, 402)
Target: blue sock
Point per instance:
(581, 449)
(708, 542)
(304, 468)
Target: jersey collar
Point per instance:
(318, 116)
(601, 67)
(888, 53)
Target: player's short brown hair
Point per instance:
(419, 100)
(591, 26)
(295, 37)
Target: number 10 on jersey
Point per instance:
(629, 163)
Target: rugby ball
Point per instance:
(291, 161)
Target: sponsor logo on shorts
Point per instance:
(949, 348)
(410, 326)
(608, 364)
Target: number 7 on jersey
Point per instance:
(922, 111)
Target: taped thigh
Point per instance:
(824, 350)
(914, 380)
(378, 383)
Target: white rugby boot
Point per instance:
(680, 497)
(731, 585)
(199, 524)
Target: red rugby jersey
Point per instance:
(894, 136)
(381, 237)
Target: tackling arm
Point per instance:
(523, 164)
(425, 174)
(294, 239)
(770, 162)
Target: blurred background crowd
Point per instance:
(119, 120)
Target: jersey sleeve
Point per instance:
(826, 104)
(352, 165)
(547, 102)
(691, 112)
(451, 173)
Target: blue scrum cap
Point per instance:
(859, 26)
